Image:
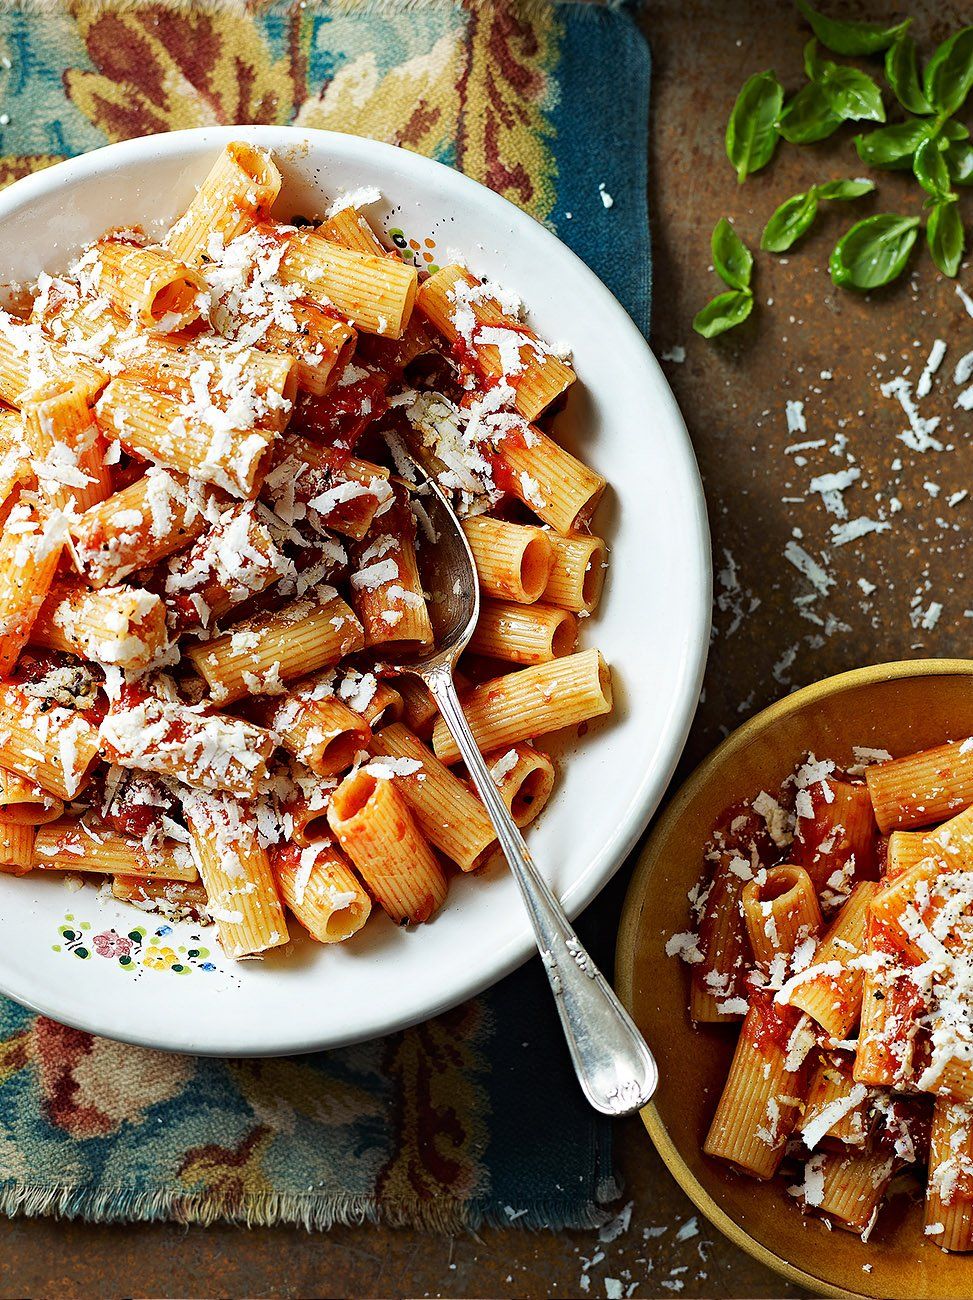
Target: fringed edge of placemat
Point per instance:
(312, 1211)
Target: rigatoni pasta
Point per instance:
(513, 561)
(531, 703)
(883, 1049)
(212, 553)
(375, 827)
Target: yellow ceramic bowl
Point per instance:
(900, 707)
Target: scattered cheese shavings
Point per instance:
(933, 362)
(794, 413)
(842, 534)
(808, 567)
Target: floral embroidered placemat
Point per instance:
(475, 1116)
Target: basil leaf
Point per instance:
(732, 260)
(851, 38)
(893, 146)
(789, 222)
(874, 251)
(815, 67)
(902, 74)
(945, 236)
(954, 130)
(853, 94)
(846, 188)
(959, 159)
(723, 312)
(949, 73)
(931, 170)
(795, 215)
(751, 131)
(850, 95)
(808, 116)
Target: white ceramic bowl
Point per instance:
(652, 626)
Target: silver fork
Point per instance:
(611, 1058)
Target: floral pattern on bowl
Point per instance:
(136, 949)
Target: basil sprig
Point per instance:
(874, 251)
(835, 93)
(795, 216)
(751, 131)
(930, 142)
(849, 37)
(733, 263)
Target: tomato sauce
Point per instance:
(341, 416)
(770, 1024)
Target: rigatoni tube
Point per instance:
(241, 889)
(237, 193)
(498, 346)
(206, 446)
(201, 749)
(830, 990)
(524, 634)
(52, 747)
(376, 828)
(321, 890)
(264, 652)
(525, 778)
(30, 551)
(578, 567)
(513, 561)
(923, 788)
(123, 625)
(24, 803)
(762, 1098)
(448, 814)
(72, 844)
(532, 702)
(153, 517)
(375, 293)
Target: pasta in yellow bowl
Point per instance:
(818, 876)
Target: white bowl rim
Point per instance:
(693, 636)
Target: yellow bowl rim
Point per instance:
(635, 894)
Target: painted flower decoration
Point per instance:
(110, 944)
(160, 959)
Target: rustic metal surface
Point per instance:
(733, 394)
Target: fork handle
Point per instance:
(611, 1058)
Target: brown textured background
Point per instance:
(733, 394)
